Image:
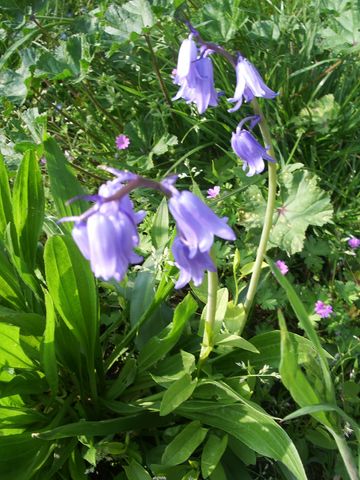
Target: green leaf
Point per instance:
(136, 472)
(184, 444)
(66, 62)
(63, 183)
(6, 215)
(293, 377)
(132, 17)
(320, 115)
(29, 323)
(160, 227)
(302, 204)
(72, 288)
(129, 423)
(247, 422)
(48, 346)
(231, 340)
(21, 456)
(159, 346)
(307, 326)
(12, 86)
(11, 353)
(124, 379)
(212, 452)
(28, 206)
(177, 393)
(10, 291)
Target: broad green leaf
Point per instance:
(268, 344)
(160, 227)
(136, 472)
(177, 393)
(293, 377)
(36, 123)
(173, 367)
(231, 340)
(184, 444)
(308, 327)
(128, 19)
(212, 452)
(242, 451)
(27, 382)
(48, 346)
(320, 115)
(6, 215)
(159, 346)
(28, 206)
(21, 456)
(29, 323)
(124, 379)
(66, 62)
(247, 422)
(12, 86)
(63, 183)
(72, 288)
(10, 291)
(128, 423)
(11, 353)
(302, 203)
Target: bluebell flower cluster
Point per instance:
(107, 236)
(194, 74)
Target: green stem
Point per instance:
(157, 72)
(268, 213)
(346, 455)
(208, 336)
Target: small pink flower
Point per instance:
(322, 309)
(43, 161)
(122, 142)
(174, 72)
(282, 267)
(354, 242)
(213, 192)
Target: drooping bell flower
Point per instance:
(196, 226)
(191, 268)
(106, 234)
(249, 149)
(195, 76)
(249, 84)
(185, 69)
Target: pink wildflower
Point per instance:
(282, 267)
(354, 242)
(122, 142)
(213, 192)
(322, 309)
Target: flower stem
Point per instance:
(346, 455)
(157, 72)
(268, 213)
(208, 336)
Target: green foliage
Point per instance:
(101, 379)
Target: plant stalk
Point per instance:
(268, 213)
(208, 336)
(346, 455)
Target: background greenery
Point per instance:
(105, 397)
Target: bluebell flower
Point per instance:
(249, 84)
(191, 268)
(249, 149)
(196, 226)
(185, 69)
(195, 76)
(196, 223)
(106, 234)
